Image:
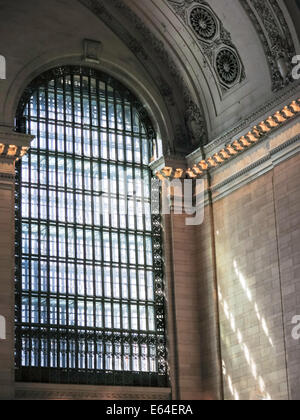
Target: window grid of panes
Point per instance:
(89, 287)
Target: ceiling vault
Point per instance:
(189, 122)
(214, 40)
(276, 38)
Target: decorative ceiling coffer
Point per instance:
(204, 23)
(214, 40)
(228, 66)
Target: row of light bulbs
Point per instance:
(238, 146)
(199, 169)
(12, 151)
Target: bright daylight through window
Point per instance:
(89, 278)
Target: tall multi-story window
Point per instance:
(89, 281)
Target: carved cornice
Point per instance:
(170, 167)
(276, 38)
(283, 97)
(11, 151)
(13, 145)
(240, 145)
(259, 167)
(225, 180)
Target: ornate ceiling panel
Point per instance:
(214, 40)
(199, 67)
(206, 69)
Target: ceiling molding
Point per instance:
(277, 101)
(273, 158)
(200, 166)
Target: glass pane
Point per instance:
(86, 288)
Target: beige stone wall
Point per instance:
(236, 277)
(257, 257)
(233, 284)
(250, 293)
(183, 325)
(13, 145)
(192, 311)
(211, 387)
(287, 193)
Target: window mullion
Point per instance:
(74, 333)
(93, 221)
(75, 301)
(57, 228)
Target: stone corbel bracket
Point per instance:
(169, 168)
(174, 182)
(256, 134)
(13, 146)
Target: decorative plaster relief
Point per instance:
(214, 40)
(92, 51)
(275, 35)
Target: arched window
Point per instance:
(89, 285)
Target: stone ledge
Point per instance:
(31, 391)
(251, 166)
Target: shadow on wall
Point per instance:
(261, 391)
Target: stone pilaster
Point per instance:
(12, 147)
(183, 280)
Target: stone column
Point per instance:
(12, 147)
(188, 343)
